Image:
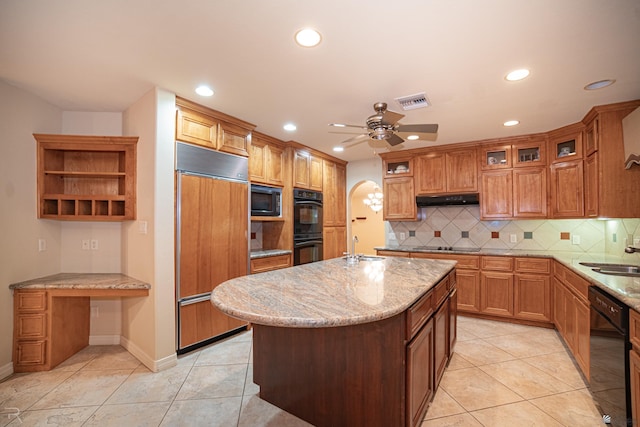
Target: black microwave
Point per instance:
(265, 201)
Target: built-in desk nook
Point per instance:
(51, 315)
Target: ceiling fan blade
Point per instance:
(425, 128)
(391, 117)
(358, 138)
(342, 125)
(346, 132)
(394, 140)
(355, 143)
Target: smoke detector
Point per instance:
(412, 102)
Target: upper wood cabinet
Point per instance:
(203, 126)
(307, 170)
(530, 192)
(529, 153)
(441, 172)
(567, 189)
(565, 144)
(266, 160)
(399, 199)
(495, 156)
(334, 187)
(86, 178)
(610, 190)
(397, 166)
(496, 194)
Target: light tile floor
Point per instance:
(501, 374)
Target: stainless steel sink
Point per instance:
(629, 270)
(370, 258)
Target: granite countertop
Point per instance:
(330, 293)
(626, 289)
(82, 281)
(264, 253)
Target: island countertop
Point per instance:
(330, 293)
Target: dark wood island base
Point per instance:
(381, 373)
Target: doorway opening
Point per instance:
(364, 222)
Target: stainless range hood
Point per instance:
(448, 200)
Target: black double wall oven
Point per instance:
(307, 226)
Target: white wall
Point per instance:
(358, 172)
(149, 323)
(21, 115)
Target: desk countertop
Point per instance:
(83, 281)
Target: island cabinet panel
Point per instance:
(634, 362)
(441, 342)
(304, 372)
(420, 373)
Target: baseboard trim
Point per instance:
(104, 340)
(6, 370)
(152, 364)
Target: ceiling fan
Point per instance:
(383, 126)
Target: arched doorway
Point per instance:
(364, 222)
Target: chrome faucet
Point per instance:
(352, 258)
(631, 249)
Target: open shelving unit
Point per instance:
(86, 178)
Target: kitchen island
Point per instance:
(349, 345)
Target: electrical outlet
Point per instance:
(142, 227)
(403, 236)
(94, 244)
(513, 238)
(42, 245)
(575, 239)
(85, 245)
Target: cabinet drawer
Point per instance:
(497, 263)
(471, 262)
(259, 265)
(31, 352)
(634, 329)
(31, 326)
(533, 265)
(418, 314)
(394, 253)
(31, 301)
(577, 283)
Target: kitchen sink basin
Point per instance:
(629, 270)
(370, 258)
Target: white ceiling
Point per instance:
(90, 55)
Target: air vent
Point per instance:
(412, 102)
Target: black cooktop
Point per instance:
(445, 249)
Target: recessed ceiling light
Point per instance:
(338, 149)
(599, 84)
(308, 37)
(517, 75)
(289, 127)
(511, 123)
(204, 90)
(413, 137)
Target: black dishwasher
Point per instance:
(609, 359)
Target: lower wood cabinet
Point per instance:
(572, 314)
(259, 265)
(634, 362)
(496, 293)
(420, 373)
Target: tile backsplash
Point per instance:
(460, 226)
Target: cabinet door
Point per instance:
(399, 199)
(453, 321)
(591, 179)
(201, 321)
(334, 194)
(567, 189)
(275, 165)
(315, 173)
(196, 128)
(420, 373)
(530, 193)
(301, 169)
(257, 161)
(591, 137)
(431, 174)
(462, 172)
(468, 285)
(233, 139)
(441, 342)
(559, 313)
(532, 297)
(334, 242)
(496, 199)
(496, 293)
(582, 347)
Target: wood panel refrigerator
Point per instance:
(212, 218)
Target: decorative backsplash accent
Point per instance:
(445, 226)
